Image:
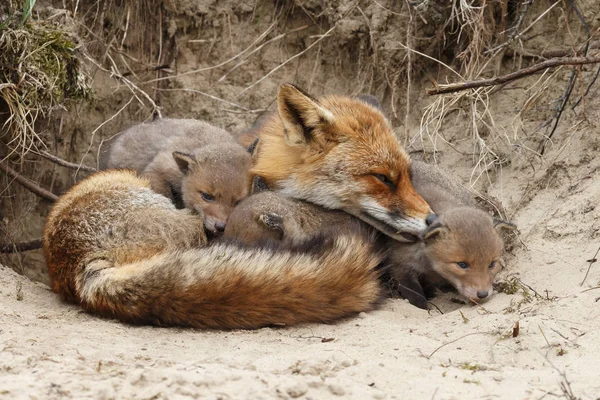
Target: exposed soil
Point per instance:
(52, 350)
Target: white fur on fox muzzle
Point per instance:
(403, 229)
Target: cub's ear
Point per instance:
(258, 185)
(252, 148)
(274, 222)
(370, 100)
(436, 231)
(502, 225)
(184, 161)
(300, 114)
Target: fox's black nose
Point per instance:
(482, 294)
(220, 226)
(430, 219)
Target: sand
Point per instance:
(49, 349)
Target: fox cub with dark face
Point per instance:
(195, 164)
(267, 215)
(461, 247)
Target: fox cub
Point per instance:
(267, 215)
(120, 250)
(195, 164)
(461, 247)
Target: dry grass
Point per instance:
(39, 72)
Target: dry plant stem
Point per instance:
(592, 261)
(21, 246)
(276, 38)
(522, 73)
(261, 37)
(28, 184)
(65, 163)
(210, 96)
(454, 341)
(516, 34)
(571, 84)
(408, 74)
(551, 53)
(323, 36)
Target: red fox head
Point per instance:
(214, 181)
(463, 246)
(340, 153)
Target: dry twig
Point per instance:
(522, 73)
(454, 341)
(592, 261)
(28, 184)
(21, 246)
(67, 164)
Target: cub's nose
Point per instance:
(482, 294)
(430, 219)
(220, 227)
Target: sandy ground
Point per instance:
(52, 350)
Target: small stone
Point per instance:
(379, 395)
(297, 389)
(362, 315)
(336, 389)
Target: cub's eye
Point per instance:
(463, 265)
(492, 265)
(384, 179)
(237, 202)
(207, 197)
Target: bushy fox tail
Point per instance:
(227, 285)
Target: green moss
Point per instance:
(473, 367)
(509, 286)
(39, 70)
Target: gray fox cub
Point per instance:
(195, 164)
(461, 247)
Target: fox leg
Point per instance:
(410, 288)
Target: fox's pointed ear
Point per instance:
(370, 100)
(300, 114)
(436, 231)
(252, 148)
(184, 161)
(502, 225)
(258, 185)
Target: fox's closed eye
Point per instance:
(207, 197)
(384, 179)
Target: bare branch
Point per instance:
(21, 246)
(552, 63)
(65, 163)
(28, 184)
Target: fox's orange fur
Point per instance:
(340, 153)
(122, 251)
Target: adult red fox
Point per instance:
(120, 250)
(340, 153)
